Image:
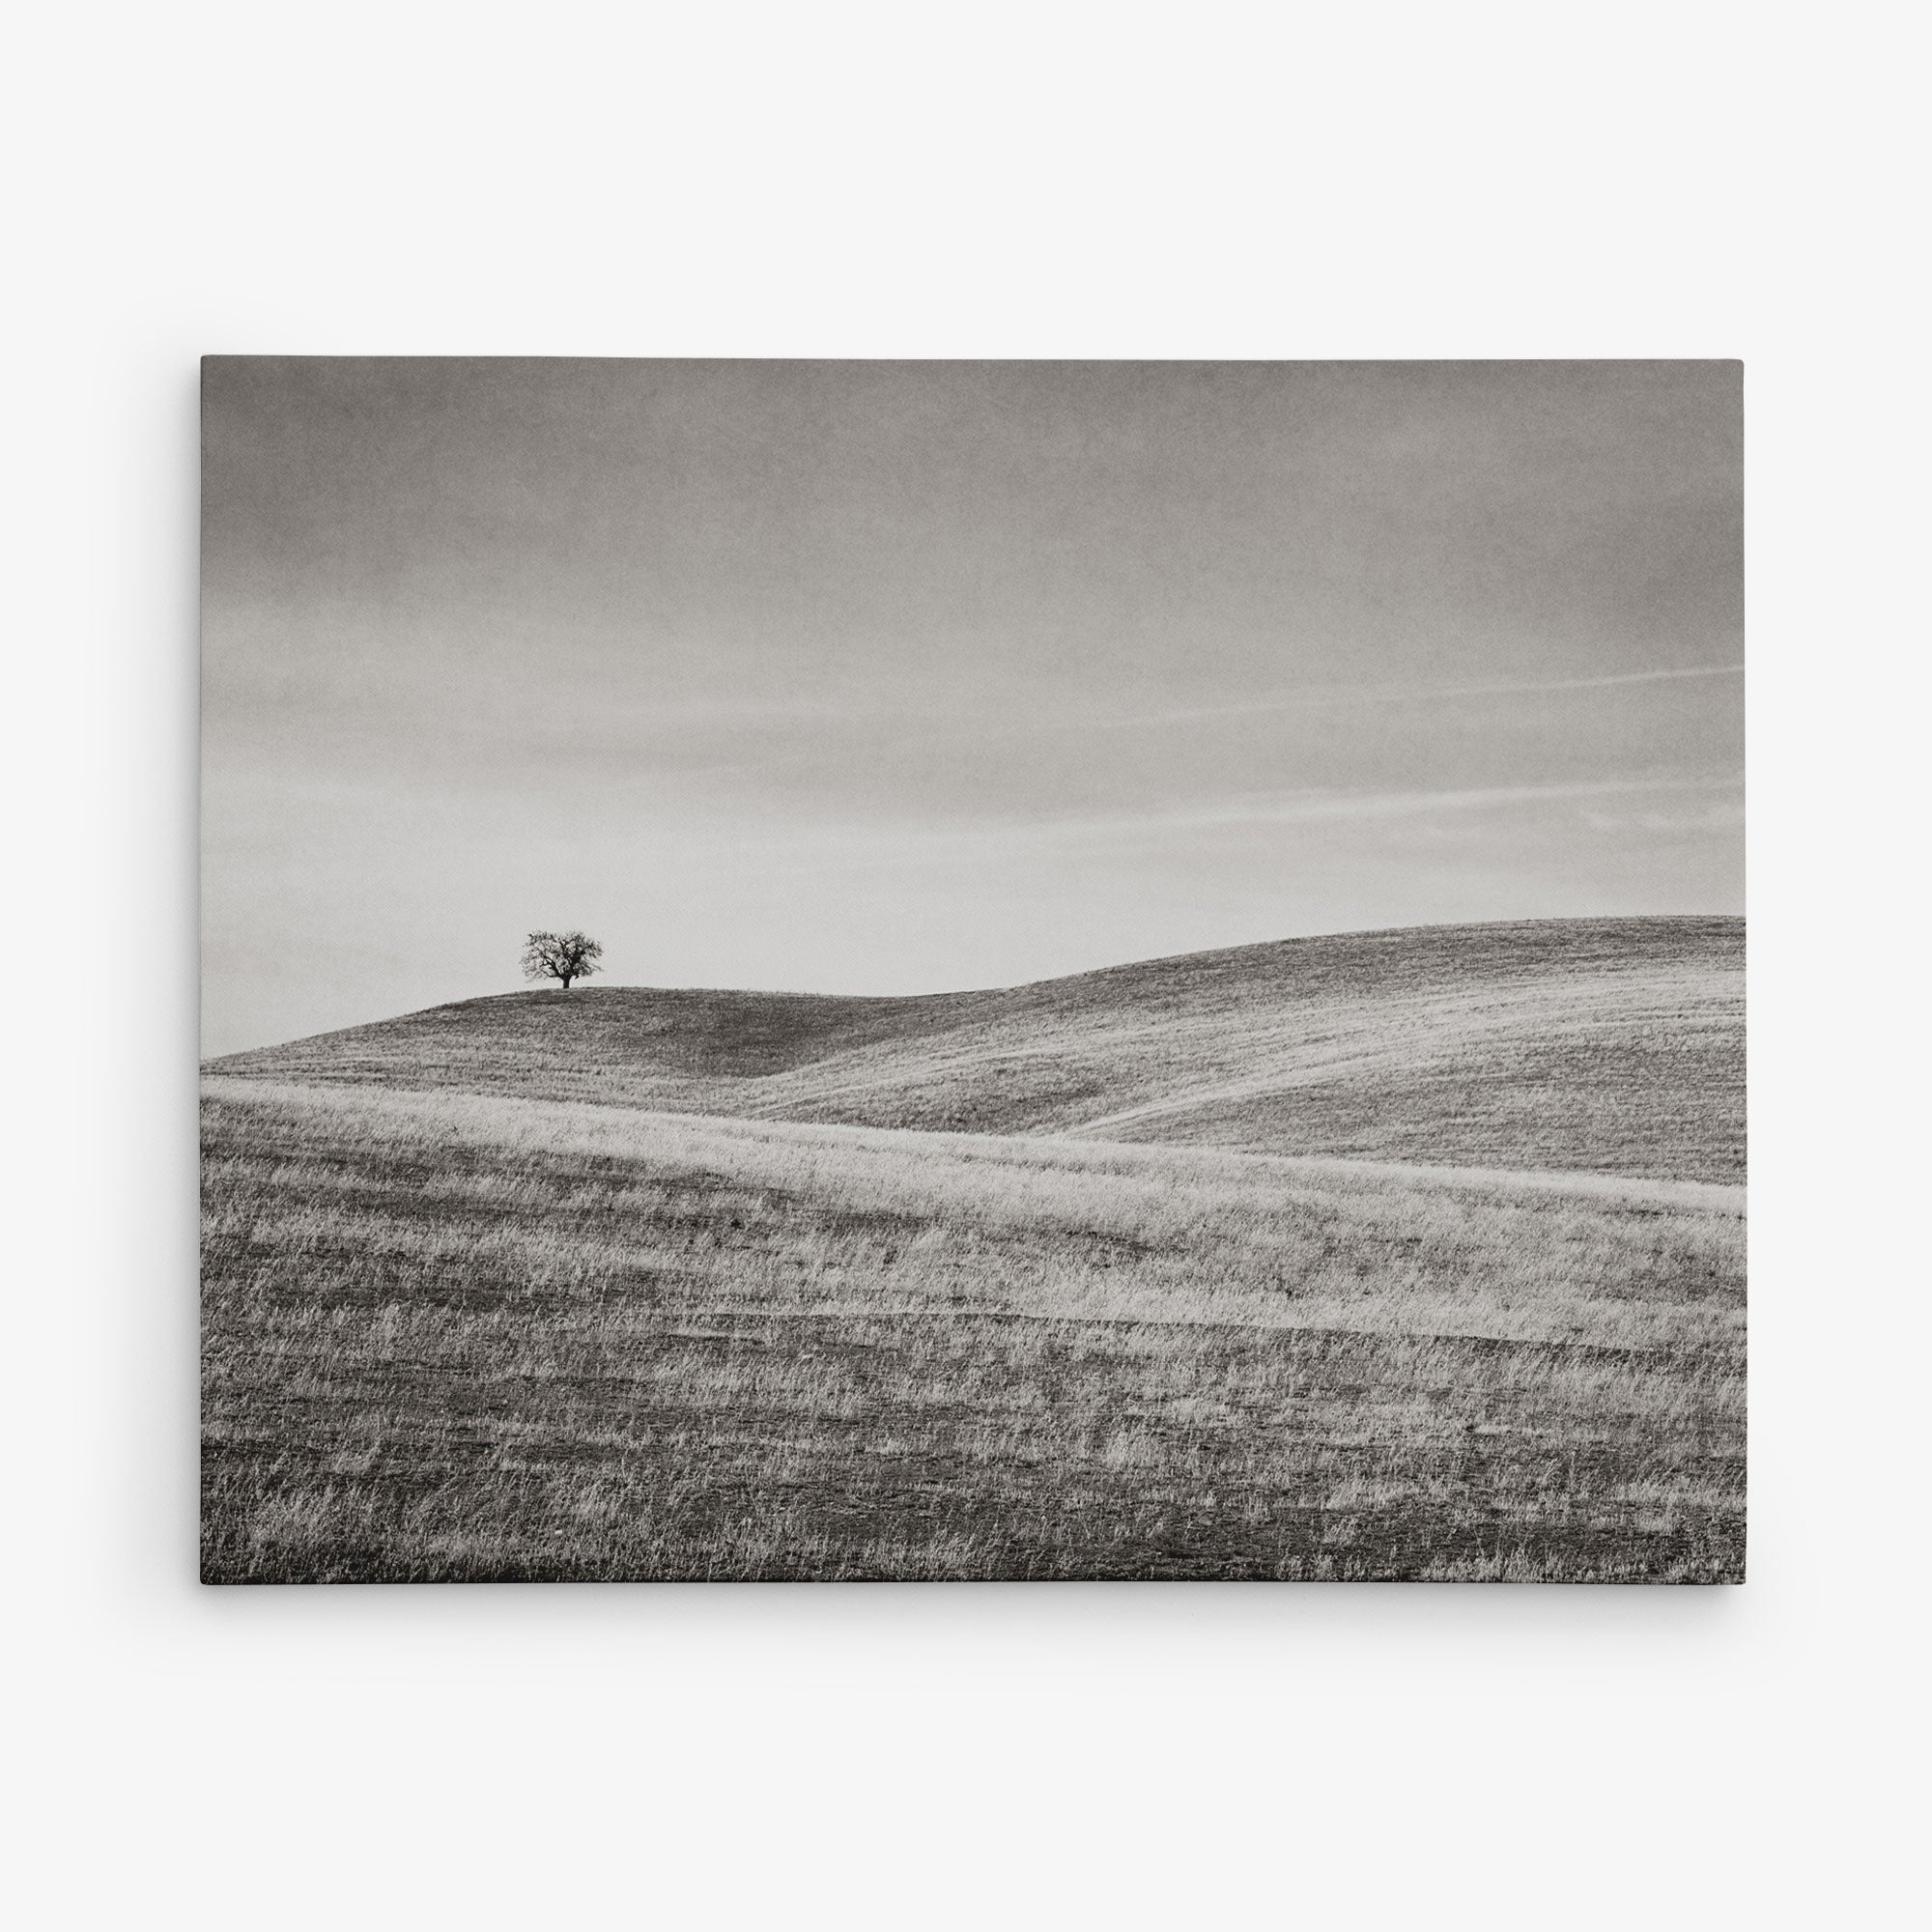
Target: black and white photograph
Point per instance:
(883, 1052)
(830, 970)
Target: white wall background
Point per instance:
(1045, 180)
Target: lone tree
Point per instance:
(561, 955)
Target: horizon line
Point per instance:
(1013, 986)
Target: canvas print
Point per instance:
(962, 971)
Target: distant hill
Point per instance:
(1611, 1044)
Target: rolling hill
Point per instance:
(454, 1335)
(1613, 1045)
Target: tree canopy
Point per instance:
(561, 955)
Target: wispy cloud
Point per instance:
(937, 840)
(1315, 806)
(1723, 815)
(1324, 697)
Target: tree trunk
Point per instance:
(566, 978)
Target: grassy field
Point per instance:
(1600, 1046)
(475, 1334)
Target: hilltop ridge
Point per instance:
(1608, 1044)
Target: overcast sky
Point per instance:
(895, 677)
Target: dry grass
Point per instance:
(461, 1336)
(1607, 1045)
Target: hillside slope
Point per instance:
(461, 1337)
(1608, 1044)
